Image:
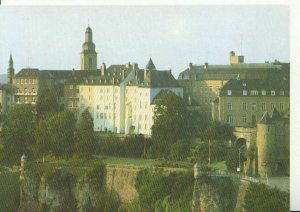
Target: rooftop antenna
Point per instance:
(241, 44)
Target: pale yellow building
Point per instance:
(242, 103)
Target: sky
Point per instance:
(51, 37)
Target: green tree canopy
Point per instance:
(56, 134)
(18, 129)
(170, 118)
(47, 103)
(85, 139)
(219, 131)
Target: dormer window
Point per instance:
(244, 92)
(272, 93)
(263, 92)
(229, 92)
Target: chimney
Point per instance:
(103, 69)
(123, 74)
(235, 59)
(135, 66)
(206, 65)
(190, 66)
(170, 71)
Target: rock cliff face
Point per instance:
(60, 189)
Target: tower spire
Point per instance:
(88, 56)
(10, 70)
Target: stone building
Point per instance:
(242, 103)
(202, 83)
(273, 145)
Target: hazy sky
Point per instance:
(50, 37)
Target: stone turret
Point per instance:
(264, 138)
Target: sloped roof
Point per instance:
(238, 86)
(150, 65)
(246, 70)
(27, 72)
(276, 115)
(266, 119)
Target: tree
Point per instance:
(179, 150)
(18, 129)
(47, 103)
(232, 160)
(56, 134)
(219, 131)
(85, 139)
(170, 117)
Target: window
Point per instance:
(229, 119)
(106, 107)
(254, 106)
(33, 81)
(26, 81)
(281, 106)
(244, 106)
(25, 99)
(263, 107)
(101, 115)
(244, 92)
(229, 106)
(22, 81)
(98, 107)
(229, 92)
(18, 81)
(97, 115)
(25, 90)
(33, 90)
(272, 106)
(30, 81)
(33, 99)
(272, 93)
(254, 92)
(244, 119)
(281, 93)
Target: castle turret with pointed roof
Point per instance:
(88, 56)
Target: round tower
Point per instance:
(88, 55)
(264, 139)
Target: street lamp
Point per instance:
(209, 152)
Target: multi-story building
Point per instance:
(140, 93)
(202, 83)
(242, 103)
(120, 99)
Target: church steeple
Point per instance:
(10, 70)
(88, 56)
